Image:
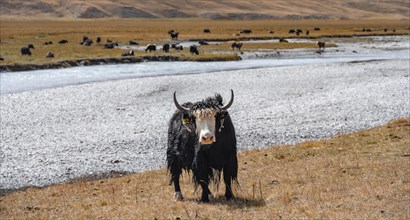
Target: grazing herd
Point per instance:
(174, 44)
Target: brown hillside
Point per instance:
(211, 9)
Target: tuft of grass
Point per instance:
(363, 175)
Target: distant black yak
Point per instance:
(193, 50)
(151, 47)
(236, 45)
(63, 41)
(25, 51)
(50, 54)
(165, 48)
(321, 45)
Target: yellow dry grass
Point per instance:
(362, 175)
(17, 33)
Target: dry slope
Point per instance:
(213, 9)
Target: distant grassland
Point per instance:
(17, 33)
(363, 175)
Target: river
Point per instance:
(364, 49)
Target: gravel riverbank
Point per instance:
(57, 135)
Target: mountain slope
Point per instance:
(212, 9)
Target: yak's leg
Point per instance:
(176, 170)
(230, 172)
(201, 175)
(205, 192)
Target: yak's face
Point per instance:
(205, 124)
(205, 114)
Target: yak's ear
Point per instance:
(222, 114)
(218, 98)
(186, 118)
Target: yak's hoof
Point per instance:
(178, 196)
(229, 197)
(205, 200)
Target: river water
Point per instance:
(365, 49)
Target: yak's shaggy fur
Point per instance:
(206, 161)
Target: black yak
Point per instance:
(180, 47)
(206, 30)
(165, 48)
(236, 45)
(321, 45)
(132, 42)
(174, 35)
(151, 47)
(63, 41)
(201, 138)
(193, 50)
(202, 42)
(246, 31)
(50, 54)
(25, 51)
(109, 46)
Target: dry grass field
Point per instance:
(18, 33)
(362, 175)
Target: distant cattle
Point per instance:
(271, 32)
(1, 58)
(50, 54)
(246, 31)
(291, 31)
(132, 42)
(281, 40)
(109, 46)
(179, 47)
(165, 48)
(98, 40)
(25, 51)
(201, 42)
(129, 53)
(174, 35)
(307, 32)
(236, 45)
(151, 47)
(87, 42)
(63, 41)
(316, 29)
(31, 46)
(85, 38)
(48, 42)
(207, 30)
(321, 45)
(193, 50)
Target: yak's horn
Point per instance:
(229, 104)
(178, 105)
